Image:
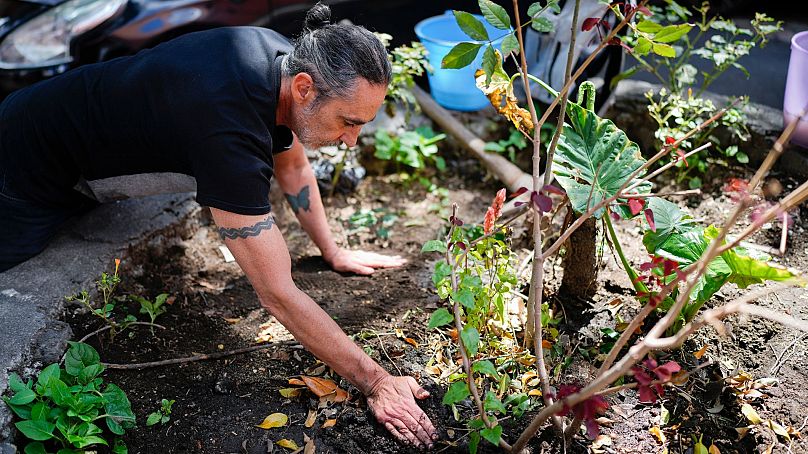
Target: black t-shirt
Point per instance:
(201, 105)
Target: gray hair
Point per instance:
(335, 55)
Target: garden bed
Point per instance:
(220, 402)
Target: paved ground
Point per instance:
(32, 294)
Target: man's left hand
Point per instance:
(362, 262)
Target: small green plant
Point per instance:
(152, 309)
(106, 287)
(515, 142)
(664, 48)
(408, 62)
(62, 410)
(675, 115)
(377, 221)
(415, 149)
(162, 415)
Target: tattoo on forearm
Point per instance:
(245, 232)
(300, 201)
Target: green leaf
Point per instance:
(542, 25)
(36, 430)
(45, 375)
(485, 367)
(40, 411)
(89, 373)
(471, 339)
(671, 33)
(434, 246)
(669, 220)
(442, 270)
(474, 442)
(493, 435)
(490, 59)
(78, 357)
(747, 270)
(35, 448)
(495, 14)
(90, 440)
(160, 300)
(533, 9)
(471, 26)
(119, 409)
(510, 44)
(439, 318)
(492, 403)
(460, 56)
(643, 46)
(594, 159)
(15, 384)
(664, 50)
(119, 447)
(153, 419)
(24, 396)
(648, 26)
(465, 297)
(742, 157)
(60, 393)
(458, 391)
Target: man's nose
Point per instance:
(350, 136)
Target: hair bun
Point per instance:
(317, 17)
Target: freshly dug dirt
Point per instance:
(220, 402)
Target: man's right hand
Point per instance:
(391, 401)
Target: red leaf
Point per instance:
(644, 10)
(666, 371)
(649, 216)
(455, 221)
(641, 376)
(592, 429)
(550, 189)
(614, 215)
(670, 267)
(647, 395)
(635, 205)
(519, 192)
(669, 140)
(543, 203)
(607, 26)
(589, 23)
(650, 363)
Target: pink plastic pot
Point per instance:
(796, 99)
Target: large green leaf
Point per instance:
(118, 409)
(78, 357)
(36, 430)
(471, 339)
(594, 158)
(495, 14)
(669, 219)
(458, 391)
(460, 56)
(471, 26)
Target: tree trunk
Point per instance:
(580, 263)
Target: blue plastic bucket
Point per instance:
(453, 88)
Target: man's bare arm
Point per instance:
(293, 172)
(261, 252)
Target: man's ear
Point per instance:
(303, 90)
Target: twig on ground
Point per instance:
(782, 356)
(384, 350)
(108, 327)
(190, 359)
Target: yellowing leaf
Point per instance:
(296, 382)
(289, 392)
(778, 429)
(657, 432)
(329, 423)
(701, 353)
(274, 420)
(751, 414)
(534, 392)
(546, 344)
(311, 418)
(323, 387)
(411, 341)
(500, 92)
(287, 443)
(713, 450)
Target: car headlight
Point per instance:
(45, 39)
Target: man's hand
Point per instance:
(361, 262)
(391, 401)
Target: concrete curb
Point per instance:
(32, 293)
(628, 109)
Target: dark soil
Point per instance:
(220, 402)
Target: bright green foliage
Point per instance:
(416, 149)
(515, 142)
(377, 221)
(65, 405)
(152, 309)
(407, 62)
(594, 158)
(664, 47)
(681, 239)
(162, 415)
